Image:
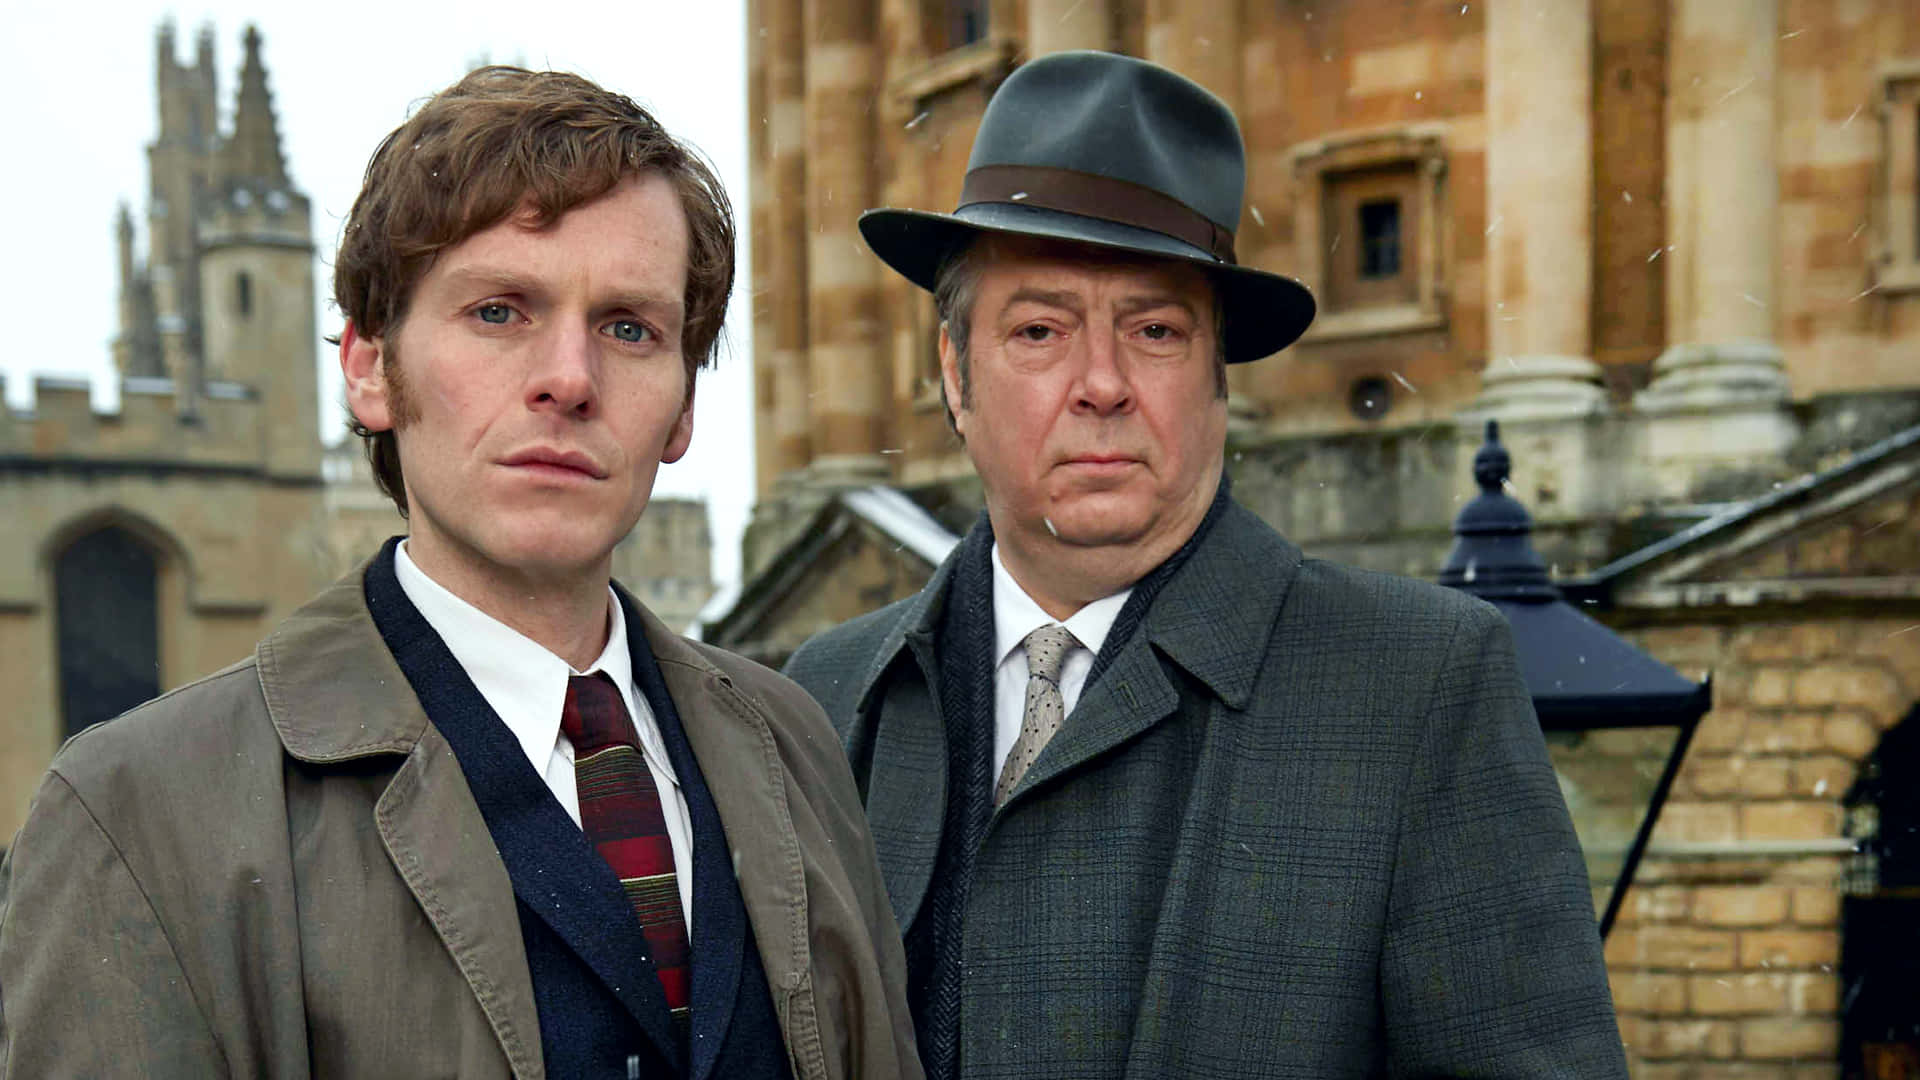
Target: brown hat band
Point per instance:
(1100, 197)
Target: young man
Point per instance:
(471, 811)
(1155, 794)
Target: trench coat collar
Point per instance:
(335, 693)
(328, 662)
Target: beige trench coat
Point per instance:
(280, 871)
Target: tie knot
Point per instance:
(594, 717)
(1047, 649)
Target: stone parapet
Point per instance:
(225, 430)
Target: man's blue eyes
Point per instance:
(627, 330)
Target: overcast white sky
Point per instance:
(343, 74)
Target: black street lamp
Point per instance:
(1617, 721)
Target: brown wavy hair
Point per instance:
(499, 140)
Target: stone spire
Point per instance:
(253, 151)
(136, 348)
(123, 233)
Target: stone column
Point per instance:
(1058, 25)
(786, 237)
(1201, 39)
(1717, 406)
(848, 374)
(1722, 210)
(1539, 211)
(760, 299)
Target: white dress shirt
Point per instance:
(1015, 615)
(527, 686)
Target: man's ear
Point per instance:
(681, 436)
(950, 381)
(363, 362)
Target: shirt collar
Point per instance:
(1015, 615)
(521, 679)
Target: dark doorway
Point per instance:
(107, 601)
(1880, 916)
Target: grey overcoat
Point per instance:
(280, 871)
(1302, 826)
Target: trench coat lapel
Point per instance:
(907, 800)
(1212, 618)
(744, 775)
(441, 848)
(328, 662)
(719, 934)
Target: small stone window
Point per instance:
(1380, 239)
(1896, 255)
(243, 294)
(965, 22)
(1368, 215)
(1370, 250)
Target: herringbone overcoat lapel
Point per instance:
(907, 800)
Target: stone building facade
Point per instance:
(1669, 244)
(143, 548)
(1672, 232)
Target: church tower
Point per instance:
(256, 277)
(223, 306)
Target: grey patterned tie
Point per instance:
(1047, 649)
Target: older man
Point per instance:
(1155, 795)
(472, 812)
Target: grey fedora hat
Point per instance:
(1115, 152)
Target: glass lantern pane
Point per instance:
(1608, 777)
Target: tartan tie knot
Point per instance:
(594, 717)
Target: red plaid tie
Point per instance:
(620, 813)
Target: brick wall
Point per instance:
(1728, 966)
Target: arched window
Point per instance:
(1880, 918)
(107, 604)
(243, 293)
